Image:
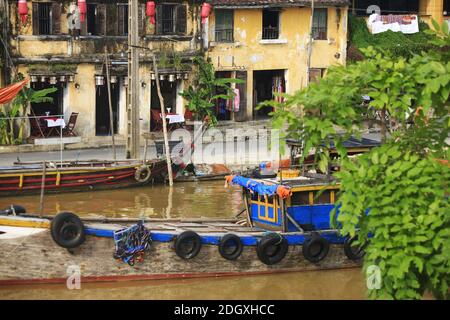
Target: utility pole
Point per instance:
(310, 43)
(133, 132)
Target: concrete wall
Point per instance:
(289, 52)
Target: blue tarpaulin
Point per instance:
(255, 186)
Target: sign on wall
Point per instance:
(407, 24)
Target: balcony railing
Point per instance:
(270, 33)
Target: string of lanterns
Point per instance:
(150, 10)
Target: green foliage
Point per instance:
(409, 218)
(398, 192)
(19, 107)
(202, 95)
(395, 43)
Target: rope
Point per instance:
(132, 243)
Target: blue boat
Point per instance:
(284, 226)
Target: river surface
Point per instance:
(205, 199)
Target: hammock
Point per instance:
(8, 93)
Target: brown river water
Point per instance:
(205, 199)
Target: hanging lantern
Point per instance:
(43, 78)
(171, 78)
(53, 80)
(62, 79)
(162, 77)
(34, 79)
(23, 10)
(71, 78)
(125, 81)
(113, 79)
(206, 10)
(150, 11)
(152, 76)
(99, 80)
(82, 9)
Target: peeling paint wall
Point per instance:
(289, 52)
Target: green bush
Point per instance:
(395, 43)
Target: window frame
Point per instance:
(276, 29)
(48, 20)
(121, 28)
(319, 28)
(224, 28)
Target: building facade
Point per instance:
(55, 49)
(263, 42)
(428, 10)
(266, 42)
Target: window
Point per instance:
(171, 19)
(91, 18)
(322, 197)
(300, 199)
(446, 8)
(43, 14)
(320, 23)
(315, 74)
(271, 24)
(224, 25)
(122, 22)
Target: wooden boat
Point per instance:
(25, 178)
(285, 229)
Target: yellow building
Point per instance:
(265, 43)
(55, 49)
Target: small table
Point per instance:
(54, 123)
(176, 121)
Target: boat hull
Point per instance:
(28, 182)
(36, 258)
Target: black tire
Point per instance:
(354, 253)
(188, 245)
(316, 248)
(67, 230)
(143, 174)
(272, 248)
(18, 209)
(236, 244)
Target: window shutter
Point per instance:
(100, 19)
(159, 19)
(35, 18)
(112, 19)
(141, 19)
(56, 18)
(181, 19)
(241, 115)
(121, 20)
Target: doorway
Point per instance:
(169, 93)
(52, 108)
(266, 84)
(102, 123)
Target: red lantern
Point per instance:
(23, 10)
(206, 10)
(82, 9)
(150, 11)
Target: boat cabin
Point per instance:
(295, 205)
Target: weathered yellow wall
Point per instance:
(431, 9)
(248, 53)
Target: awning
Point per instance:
(8, 93)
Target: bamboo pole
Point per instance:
(41, 202)
(310, 42)
(163, 114)
(111, 122)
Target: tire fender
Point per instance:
(67, 230)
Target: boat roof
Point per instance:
(350, 143)
(307, 179)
